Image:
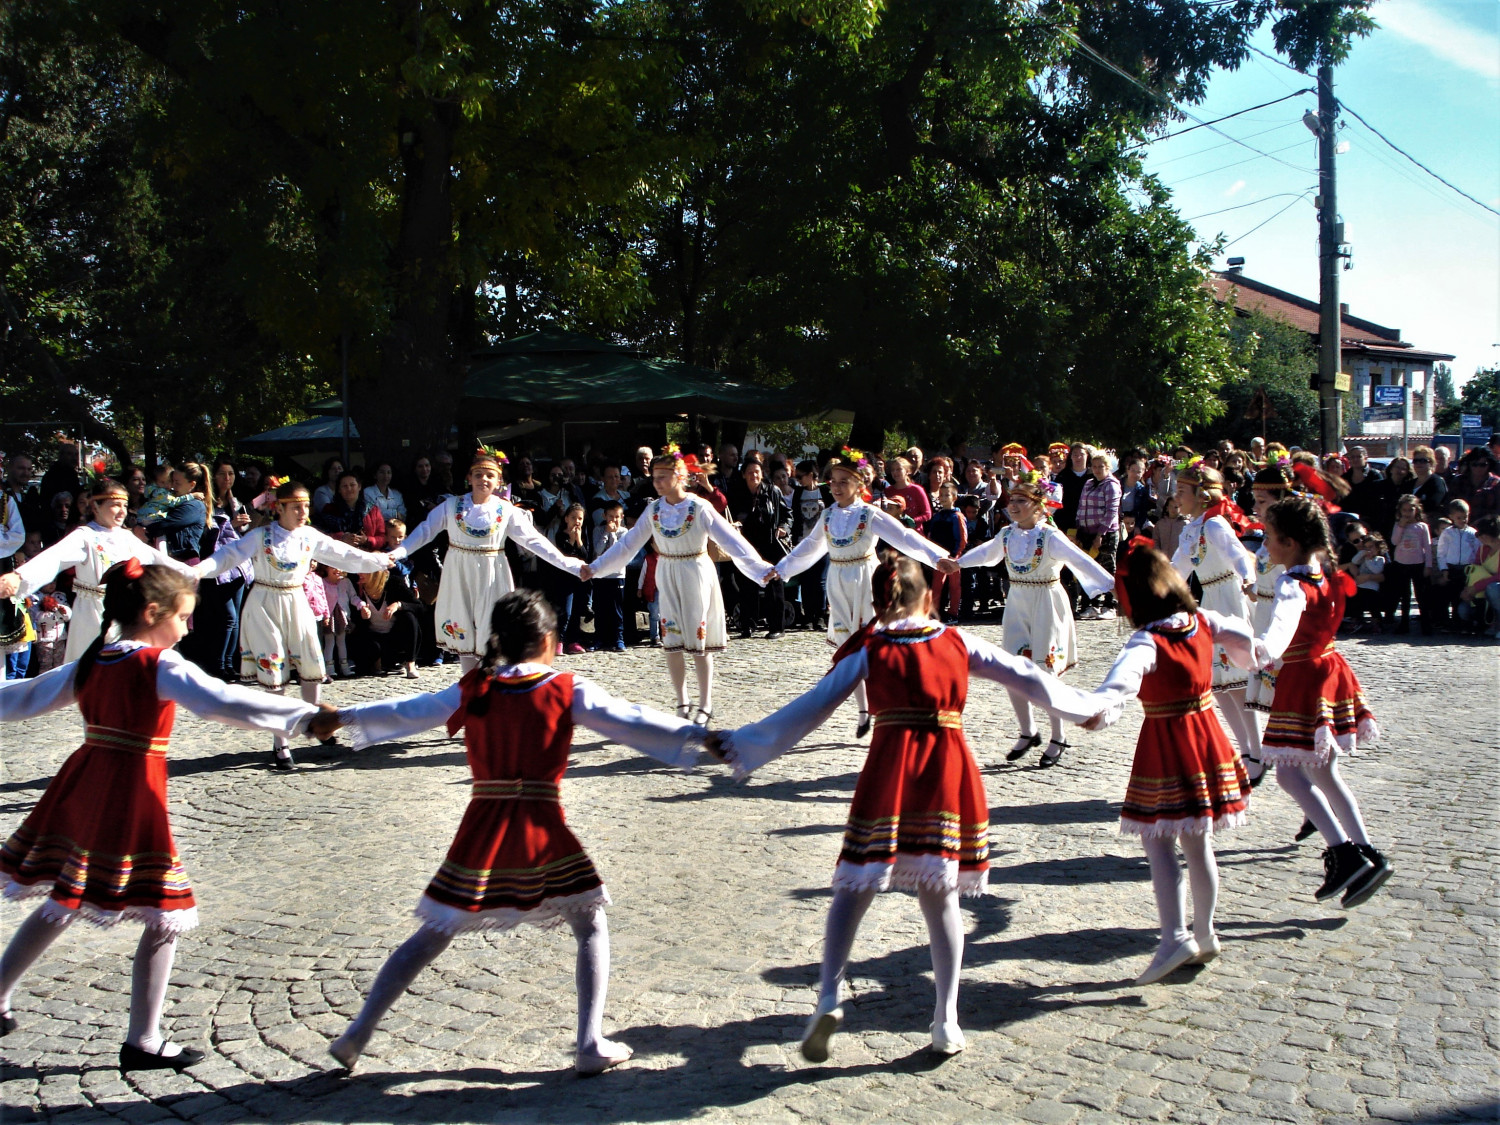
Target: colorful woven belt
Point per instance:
(516, 789)
(133, 742)
(1014, 581)
(857, 560)
(1175, 708)
(475, 550)
(914, 717)
(692, 555)
(91, 591)
(1225, 577)
(1305, 652)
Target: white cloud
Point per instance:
(1460, 44)
(1234, 189)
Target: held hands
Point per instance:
(769, 576)
(9, 584)
(585, 573)
(947, 566)
(713, 744)
(325, 722)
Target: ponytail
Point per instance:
(519, 623)
(129, 587)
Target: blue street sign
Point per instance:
(1388, 396)
(1385, 412)
(1478, 435)
(1470, 422)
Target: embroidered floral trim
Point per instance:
(1036, 555)
(662, 531)
(855, 536)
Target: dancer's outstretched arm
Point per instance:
(425, 532)
(745, 557)
(231, 555)
(523, 533)
(1235, 636)
(1286, 613)
(668, 739)
(1091, 576)
(1123, 681)
(905, 539)
(753, 745)
(988, 553)
(814, 546)
(1019, 675)
(355, 560)
(178, 680)
(615, 560)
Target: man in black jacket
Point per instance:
(765, 520)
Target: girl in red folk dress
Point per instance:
(1186, 782)
(1318, 712)
(919, 820)
(514, 858)
(98, 843)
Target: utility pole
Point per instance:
(1329, 237)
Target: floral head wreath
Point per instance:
(855, 457)
(1013, 449)
(1189, 466)
(485, 453)
(1059, 447)
(1036, 486)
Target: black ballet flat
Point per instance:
(702, 717)
(1047, 762)
(282, 764)
(7, 1024)
(1021, 749)
(133, 1058)
(862, 727)
(1258, 778)
(1307, 829)
(331, 740)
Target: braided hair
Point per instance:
(899, 585)
(129, 587)
(1300, 518)
(520, 624)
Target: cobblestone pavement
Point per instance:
(306, 882)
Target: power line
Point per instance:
(1355, 114)
(1252, 203)
(1224, 144)
(1247, 160)
(1095, 56)
(1272, 219)
(1226, 117)
(1352, 113)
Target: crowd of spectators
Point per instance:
(1421, 533)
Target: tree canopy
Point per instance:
(934, 212)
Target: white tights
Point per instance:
(1028, 718)
(703, 667)
(310, 692)
(1231, 703)
(151, 973)
(1166, 883)
(1325, 800)
(945, 936)
(591, 976)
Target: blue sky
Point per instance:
(1426, 260)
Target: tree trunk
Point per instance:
(413, 395)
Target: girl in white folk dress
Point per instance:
(1038, 621)
(90, 550)
(278, 631)
(475, 572)
(848, 534)
(1271, 484)
(1210, 549)
(680, 526)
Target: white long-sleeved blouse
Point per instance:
(178, 680)
(1016, 547)
(672, 517)
(842, 522)
(670, 740)
(92, 550)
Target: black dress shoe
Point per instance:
(1050, 759)
(7, 1024)
(776, 636)
(1021, 749)
(1307, 829)
(862, 727)
(133, 1058)
(283, 763)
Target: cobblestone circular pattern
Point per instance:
(306, 882)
